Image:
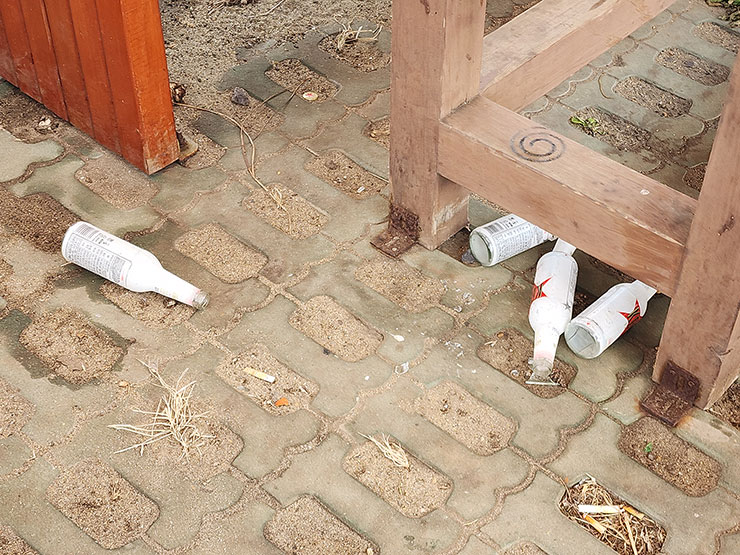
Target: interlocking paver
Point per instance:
(17, 155)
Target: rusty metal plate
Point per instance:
(673, 396)
(402, 232)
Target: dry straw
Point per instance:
(173, 419)
(392, 451)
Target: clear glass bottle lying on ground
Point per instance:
(126, 264)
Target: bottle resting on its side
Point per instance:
(609, 317)
(505, 237)
(126, 264)
(551, 308)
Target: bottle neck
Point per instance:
(545, 345)
(169, 285)
(562, 246)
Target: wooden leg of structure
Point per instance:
(702, 332)
(437, 49)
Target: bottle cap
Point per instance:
(200, 301)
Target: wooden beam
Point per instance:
(7, 67)
(702, 330)
(538, 49)
(437, 46)
(608, 210)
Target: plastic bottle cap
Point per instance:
(310, 96)
(200, 301)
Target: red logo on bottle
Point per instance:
(537, 291)
(632, 317)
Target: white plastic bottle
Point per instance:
(591, 332)
(505, 237)
(125, 264)
(551, 308)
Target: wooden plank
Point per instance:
(137, 70)
(608, 210)
(437, 46)
(92, 62)
(20, 49)
(44, 57)
(68, 62)
(538, 49)
(7, 67)
(702, 330)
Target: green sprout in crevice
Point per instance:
(590, 126)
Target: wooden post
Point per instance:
(702, 331)
(437, 49)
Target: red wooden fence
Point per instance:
(101, 65)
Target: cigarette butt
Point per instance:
(634, 512)
(258, 374)
(600, 527)
(600, 509)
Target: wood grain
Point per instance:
(44, 57)
(19, 47)
(7, 67)
(620, 216)
(702, 330)
(72, 79)
(437, 46)
(546, 44)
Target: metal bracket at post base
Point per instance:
(402, 232)
(674, 396)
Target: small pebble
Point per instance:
(240, 96)
(123, 383)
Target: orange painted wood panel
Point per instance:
(44, 58)
(7, 67)
(72, 79)
(19, 47)
(137, 70)
(94, 67)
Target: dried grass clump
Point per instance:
(622, 527)
(392, 451)
(348, 35)
(173, 418)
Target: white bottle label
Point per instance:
(88, 247)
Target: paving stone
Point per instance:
(59, 181)
(70, 346)
(118, 182)
(220, 253)
(307, 526)
(14, 454)
(339, 382)
(17, 410)
(335, 328)
(547, 527)
(226, 300)
(284, 260)
(236, 532)
(289, 169)
(475, 477)
(295, 390)
(12, 542)
(570, 84)
(718, 439)
(347, 136)
(178, 185)
(476, 425)
(706, 100)
(17, 155)
(265, 436)
(58, 404)
(673, 459)
(682, 33)
(466, 287)
(539, 420)
(341, 172)
(721, 35)
(25, 495)
(626, 406)
(477, 547)
(286, 211)
(651, 27)
(697, 12)
(670, 507)
(356, 505)
(101, 502)
(524, 548)
(405, 335)
(378, 107)
(182, 502)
